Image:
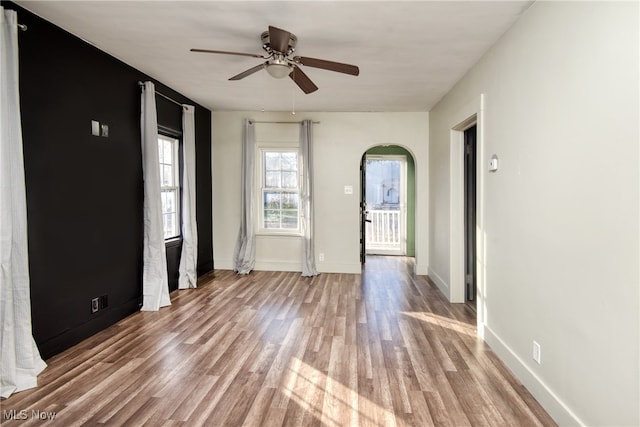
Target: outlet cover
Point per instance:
(537, 352)
(95, 305)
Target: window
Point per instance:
(169, 185)
(280, 192)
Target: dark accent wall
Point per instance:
(84, 192)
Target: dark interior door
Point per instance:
(470, 212)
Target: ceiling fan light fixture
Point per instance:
(278, 71)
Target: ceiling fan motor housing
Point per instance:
(266, 43)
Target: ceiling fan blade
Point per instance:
(279, 39)
(248, 72)
(302, 80)
(328, 65)
(253, 55)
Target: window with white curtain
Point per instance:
(169, 185)
(280, 190)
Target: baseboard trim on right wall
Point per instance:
(558, 410)
(441, 284)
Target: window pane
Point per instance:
(272, 200)
(170, 225)
(289, 201)
(160, 150)
(290, 219)
(271, 218)
(383, 184)
(171, 201)
(163, 201)
(168, 152)
(271, 161)
(166, 176)
(272, 180)
(168, 201)
(290, 161)
(289, 179)
(165, 224)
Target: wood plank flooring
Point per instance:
(379, 349)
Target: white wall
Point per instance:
(559, 220)
(340, 140)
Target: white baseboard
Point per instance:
(223, 264)
(323, 267)
(278, 266)
(334, 267)
(441, 284)
(421, 269)
(558, 410)
(227, 264)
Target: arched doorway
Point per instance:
(387, 202)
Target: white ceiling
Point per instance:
(409, 53)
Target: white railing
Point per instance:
(383, 232)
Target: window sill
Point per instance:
(278, 234)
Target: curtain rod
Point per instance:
(164, 96)
(280, 123)
(23, 27)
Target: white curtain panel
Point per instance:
(188, 274)
(306, 199)
(155, 283)
(20, 359)
(244, 257)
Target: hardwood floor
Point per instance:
(379, 349)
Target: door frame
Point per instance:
(471, 114)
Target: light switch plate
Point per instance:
(493, 163)
(95, 128)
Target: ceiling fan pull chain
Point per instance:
(293, 100)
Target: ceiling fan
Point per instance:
(279, 46)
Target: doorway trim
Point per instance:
(471, 114)
(419, 251)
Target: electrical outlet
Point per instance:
(321, 257)
(536, 352)
(104, 302)
(95, 128)
(95, 305)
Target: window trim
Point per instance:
(260, 188)
(176, 138)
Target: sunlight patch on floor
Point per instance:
(334, 404)
(442, 321)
